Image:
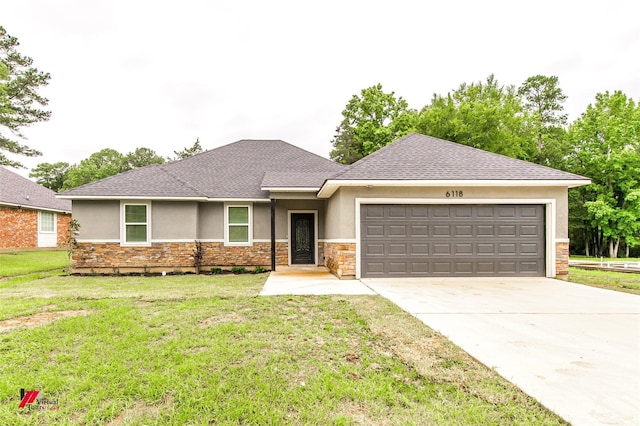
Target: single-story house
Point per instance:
(30, 215)
(420, 206)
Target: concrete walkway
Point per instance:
(310, 280)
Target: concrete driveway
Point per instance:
(574, 348)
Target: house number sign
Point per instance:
(454, 194)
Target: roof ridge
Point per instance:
(374, 154)
(180, 180)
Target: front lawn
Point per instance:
(27, 262)
(206, 350)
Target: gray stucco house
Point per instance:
(420, 206)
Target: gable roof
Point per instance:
(234, 171)
(420, 157)
(419, 160)
(19, 191)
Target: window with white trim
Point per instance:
(237, 223)
(47, 221)
(135, 224)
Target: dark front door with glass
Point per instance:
(302, 239)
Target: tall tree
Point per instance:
(51, 176)
(99, 165)
(606, 141)
(188, 151)
(485, 115)
(19, 100)
(370, 121)
(543, 100)
(142, 157)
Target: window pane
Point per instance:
(135, 214)
(136, 233)
(238, 234)
(238, 214)
(46, 221)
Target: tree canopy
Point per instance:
(20, 103)
(196, 148)
(606, 148)
(370, 121)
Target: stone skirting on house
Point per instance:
(340, 258)
(562, 260)
(112, 257)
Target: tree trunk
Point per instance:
(613, 248)
(628, 253)
(586, 247)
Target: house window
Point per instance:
(136, 224)
(47, 222)
(238, 225)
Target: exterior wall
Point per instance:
(174, 220)
(107, 257)
(211, 221)
(175, 225)
(99, 220)
(340, 258)
(19, 228)
(63, 227)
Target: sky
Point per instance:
(159, 74)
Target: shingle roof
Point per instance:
(232, 171)
(20, 191)
(420, 157)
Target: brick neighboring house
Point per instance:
(30, 215)
(420, 206)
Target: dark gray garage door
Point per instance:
(452, 240)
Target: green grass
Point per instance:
(206, 350)
(620, 281)
(27, 262)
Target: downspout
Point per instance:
(273, 235)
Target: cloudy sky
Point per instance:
(159, 74)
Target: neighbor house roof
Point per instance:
(425, 160)
(19, 191)
(233, 171)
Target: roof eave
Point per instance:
(24, 206)
(331, 186)
(290, 189)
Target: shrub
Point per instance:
(216, 271)
(238, 269)
(259, 270)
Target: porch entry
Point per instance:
(302, 238)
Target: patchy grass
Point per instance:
(28, 262)
(207, 350)
(620, 281)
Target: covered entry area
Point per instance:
(423, 240)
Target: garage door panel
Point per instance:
(398, 249)
(374, 249)
(454, 240)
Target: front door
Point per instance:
(302, 239)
